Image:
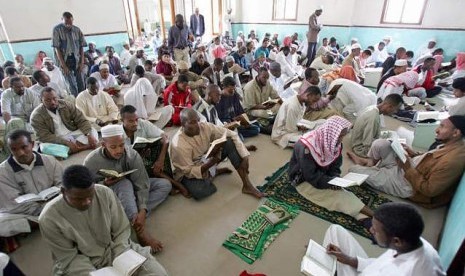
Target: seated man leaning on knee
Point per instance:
(86, 228)
(24, 172)
(138, 193)
(60, 122)
(429, 179)
(193, 169)
(397, 227)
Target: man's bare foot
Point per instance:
(146, 240)
(174, 192)
(251, 190)
(251, 148)
(356, 159)
(223, 171)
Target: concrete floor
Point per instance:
(192, 232)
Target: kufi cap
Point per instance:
(356, 46)
(319, 8)
(401, 62)
(294, 46)
(229, 59)
(112, 131)
(47, 59)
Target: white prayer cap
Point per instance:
(201, 45)
(92, 42)
(182, 65)
(387, 38)
(432, 40)
(294, 46)
(140, 49)
(354, 39)
(400, 62)
(112, 131)
(103, 66)
(356, 46)
(125, 42)
(319, 8)
(229, 59)
(240, 32)
(47, 59)
(239, 40)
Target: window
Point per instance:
(403, 11)
(285, 10)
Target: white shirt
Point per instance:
(422, 261)
(60, 128)
(109, 82)
(125, 56)
(379, 56)
(278, 85)
(100, 106)
(458, 108)
(57, 77)
(145, 129)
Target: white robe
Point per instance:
(105, 83)
(285, 125)
(57, 77)
(142, 97)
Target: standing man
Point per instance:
(69, 42)
(314, 27)
(197, 24)
(178, 36)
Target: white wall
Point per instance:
(335, 12)
(438, 14)
(98, 16)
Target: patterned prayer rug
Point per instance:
(279, 188)
(253, 237)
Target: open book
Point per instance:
(271, 102)
(42, 196)
(410, 100)
(123, 265)
(425, 116)
(232, 125)
(399, 150)
(113, 173)
(334, 89)
(141, 142)
(216, 144)
(290, 80)
(350, 179)
(310, 124)
(317, 262)
(244, 120)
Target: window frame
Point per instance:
(420, 21)
(273, 18)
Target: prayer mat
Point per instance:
(279, 187)
(253, 237)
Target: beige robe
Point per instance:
(285, 125)
(83, 241)
(366, 129)
(254, 95)
(100, 106)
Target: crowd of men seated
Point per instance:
(227, 88)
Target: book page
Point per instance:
(128, 262)
(146, 140)
(311, 268)
(220, 140)
(318, 256)
(106, 271)
(27, 198)
(50, 192)
(127, 172)
(356, 177)
(399, 150)
(341, 182)
(425, 115)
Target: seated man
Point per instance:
(230, 107)
(459, 92)
(138, 193)
(60, 122)
(217, 49)
(24, 172)
(353, 60)
(116, 66)
(43, 80)
(55, 74)
(284, 59)
(276, 79)
(86, 229)
(258, 91)
(396, 226)
(391, 60)
(137, 59)
(17, 104)
(10, 72)
(97, 106)
(148, 66)
(400, 66)
(263, 49)
(157, 81)
(316, 160)
(166, 67)
(196, 83)
(106, 81)
(367, 126)
(178, 95)
(215, 73)
(239, 57)
(193, 170)
(285, 130)
(207, 107)
(324, 62)
(260, 62)
(426, 80)
(136, 127)
(428, 179)
(200, 64)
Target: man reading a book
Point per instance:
(195, 170)
(24, 172)
(86, 228)
(135, 127)
(138, 193)
(428, 179)
(367, 126)
(397, 227)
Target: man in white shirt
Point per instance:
(125, 54)
(285, 60)
(106, 81)
(284, 90)
(43, 80)
(97, 106)
(396, 226)
(55, 74)
(379, 55)
(18, 102)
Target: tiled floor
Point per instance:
(192, 232)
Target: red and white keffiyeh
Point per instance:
(323, 142)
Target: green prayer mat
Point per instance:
(253, 237)
(278, 187)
